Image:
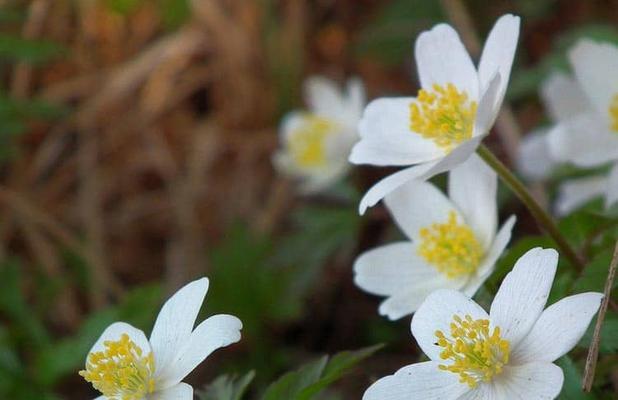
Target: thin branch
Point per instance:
(593, 352)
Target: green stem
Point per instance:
(544, 220)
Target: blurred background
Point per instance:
(135, 146)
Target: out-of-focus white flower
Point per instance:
(316, 143)
(506, 354)
(590, 138)
(453, 112)
(563, 99)
(452, 241)
(574, 193)
(124, 365)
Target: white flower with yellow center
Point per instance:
(316, 143)
(506, 354)
(452, 241)
(453, 112)
(587, 135)
(124, 365)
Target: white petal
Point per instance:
(481, 392)
(318, 181)
(182, 391)
(487, 110)
(574, 193)
(101, 398)
(436, 313)
(595, 66)
(175, 322)
(558, 329)
(416, 204)
(115, 331)
(498, 55)
(534, 381)
(290, 124)
(386, 138)
(523, 294)
(417, 381)
(324, 97)
(584, 141)
(406, 302)
(419, 172)
(391, 269)
(534, 160)
(356, 100)
(612, 187)
(441, 58)
(472, 186)
(563, 97)
(489, 262)
(215, 332)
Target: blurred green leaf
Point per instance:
(609, 334)
(123, 7)
(13, 48)
(174, 12)
(390, 36)
(309, 380)
(594, 275)
(227, 387)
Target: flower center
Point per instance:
(122, 371)
(476, 354)
(451, 248)
(307, 142)
(613, 113)
(444, 115)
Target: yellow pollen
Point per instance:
(121, 371)
(444, 115)
(451, 248)
(613, 113)
(307, 142)
(476, 354)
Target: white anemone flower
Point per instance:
(452, 242)
(563, 99)
(316, 143)
(124, 365)
(452, 113)
(506, 354)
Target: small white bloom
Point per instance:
(452, 241)
(453, 112)
(124, 365)
(316, 143)
(563, 99)
(506, 354)
(590, 138)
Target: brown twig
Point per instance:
(593, 352)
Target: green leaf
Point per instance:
(227, 387)
(594, 275)
(123, 7)
(174, 12)
(572, 389)
(309, 380)
(13, 48)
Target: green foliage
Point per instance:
(227, 387)
(390, 37)
(174, 12)
(15, 48)
(572, 389)
(609, 334)
(310, 379)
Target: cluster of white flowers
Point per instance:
(452, 242)
(584, 112)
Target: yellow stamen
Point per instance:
(476, 354)
(307, 142)
(613, 113)
(121, 371)
(444, 115)
(451, 247)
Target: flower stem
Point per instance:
(544, 220)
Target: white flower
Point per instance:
(506, 354)
(574, 193)
(124, 365)
(452, 241)
(590, 138)
(452, 113)
(563, 99)
(316, 143)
